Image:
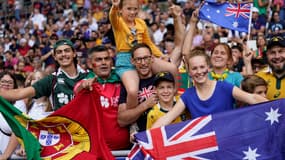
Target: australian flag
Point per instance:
(228, 15)
(251, 133)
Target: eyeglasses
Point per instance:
(140, 59)
(9, 82)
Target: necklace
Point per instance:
(221, 77)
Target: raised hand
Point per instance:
(175, 10)
(116, 3)
(194, 17)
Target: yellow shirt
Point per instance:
(157, 111)
(276, 87)
(124, 37)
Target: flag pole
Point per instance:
(249, 24)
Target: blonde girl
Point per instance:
(129, 31)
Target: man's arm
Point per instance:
(189, 36)
(17, 94)
(129, 116)
(179, 35)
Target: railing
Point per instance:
(120, 155)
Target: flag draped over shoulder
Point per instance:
(228, 15)
(255, 132)
(72, 132)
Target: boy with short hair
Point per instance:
(164, 83)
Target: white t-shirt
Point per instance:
(4, 139)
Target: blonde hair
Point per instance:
(198, 51)
(122, 3)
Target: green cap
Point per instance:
(62, 42)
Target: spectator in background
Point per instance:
(47, 52)
(275, 73)
(262, 6)
(38, 19)
(188, 9)
(159, 33)
(258, 23)
(237, 52)
(67, 31)
(10, 59)
(258, 65)
(276, 26)
(261, 47)
(23, 47)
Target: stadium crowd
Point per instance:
(34, 34)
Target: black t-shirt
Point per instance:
(146, 89)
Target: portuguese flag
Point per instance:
(72, 132)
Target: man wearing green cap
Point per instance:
(57, 86)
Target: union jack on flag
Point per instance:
(145, 93)
(234, 16)
(187, 142)
(238, 10)
(251, 133)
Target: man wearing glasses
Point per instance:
(275, 73)
(142, 60)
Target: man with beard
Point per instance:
(275, 73)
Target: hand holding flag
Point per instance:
(255, 132)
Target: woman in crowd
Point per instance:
(207, 96)
(8, 82)
(221, 57)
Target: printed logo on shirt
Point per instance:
(104, 102)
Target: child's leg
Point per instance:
(162, 66)
(130, 80)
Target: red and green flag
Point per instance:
(72, 132)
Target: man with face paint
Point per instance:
(109, 85)
(274, 75)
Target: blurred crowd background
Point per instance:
(29, 28)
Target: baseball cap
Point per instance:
(163, 76)
(62, 42)
(276, 41)
(254, 9)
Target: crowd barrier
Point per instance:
(119, 155)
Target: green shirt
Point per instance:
(262, 10)
(113, 78)
(58, 87)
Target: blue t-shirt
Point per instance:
(221, 100)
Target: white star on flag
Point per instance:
(235, 24)
(273, 115)
(251, 154)
(218, 11)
